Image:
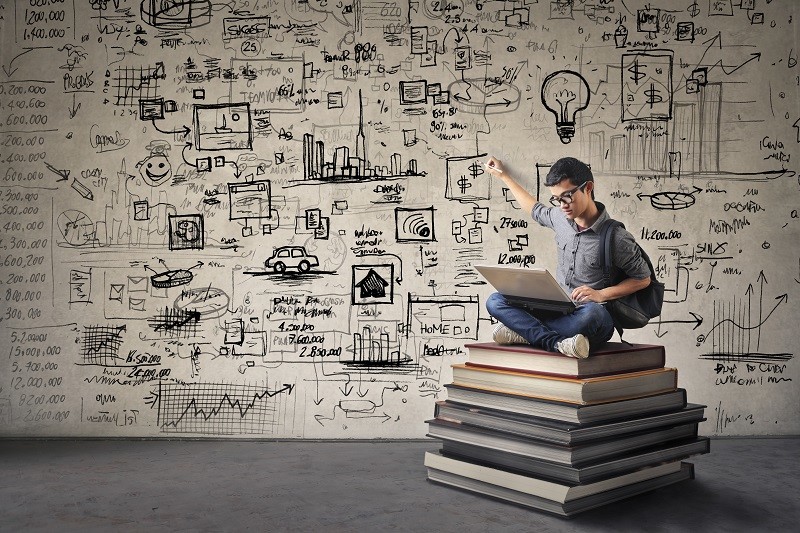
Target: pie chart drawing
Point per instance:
(76, 227)
(672, 200)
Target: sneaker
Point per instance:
(504, 335)
(577, 346)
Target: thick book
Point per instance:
(575, 390)
(604, 468)
(611, 358)
(551, 490)
(558, 432)
(568, 455)
(566, 411)
(567, 508)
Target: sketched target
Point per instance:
(414, 225)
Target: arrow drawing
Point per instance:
(184, 130)
(696, 319)
(63, 175)
(73, 110)
(183, 156)
(717, 39)
(9, 71)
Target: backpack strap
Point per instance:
(605, 249)
(605, 259)
(606, 235)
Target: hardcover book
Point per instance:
(569, 455)
(580, 390)
(552, 490)
(611, 358)
(568, 508)
(593, 471)
(566, 411)
(558, 432)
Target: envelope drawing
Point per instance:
(137, 283)
(155, 292)
(116, 292)
(136, 304)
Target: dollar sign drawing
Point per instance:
(475, 170)
(463, 183)
(694, 10)
(637, 74)
(653, 96)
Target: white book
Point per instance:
(550, 490)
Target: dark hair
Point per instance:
(569, 168)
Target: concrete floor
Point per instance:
(742, 485)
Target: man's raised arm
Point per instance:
(525, 199)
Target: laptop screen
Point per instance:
(526, 283)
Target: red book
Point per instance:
(611, 358)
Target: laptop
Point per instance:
(532, 288)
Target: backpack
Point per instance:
(634, 310)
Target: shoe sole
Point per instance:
(582, 347)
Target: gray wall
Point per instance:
(155, 154)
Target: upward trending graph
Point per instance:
(134, 84)
(219, 408)
(737, 325)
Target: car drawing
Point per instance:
(291, 257)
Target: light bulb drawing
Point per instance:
(564, 93)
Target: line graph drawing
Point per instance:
(100, 345)
(737, 326)
(134, 84)
(173, 322)
(220, 408)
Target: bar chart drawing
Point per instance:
(375, 349)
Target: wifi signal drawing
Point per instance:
(414, 225)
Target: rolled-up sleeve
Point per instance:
(542, 215)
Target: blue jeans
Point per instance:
(545, 330)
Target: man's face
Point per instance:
(572, 200)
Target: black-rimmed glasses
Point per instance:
(566, 197)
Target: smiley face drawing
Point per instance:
(155, 170)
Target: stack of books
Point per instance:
(560, 434)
